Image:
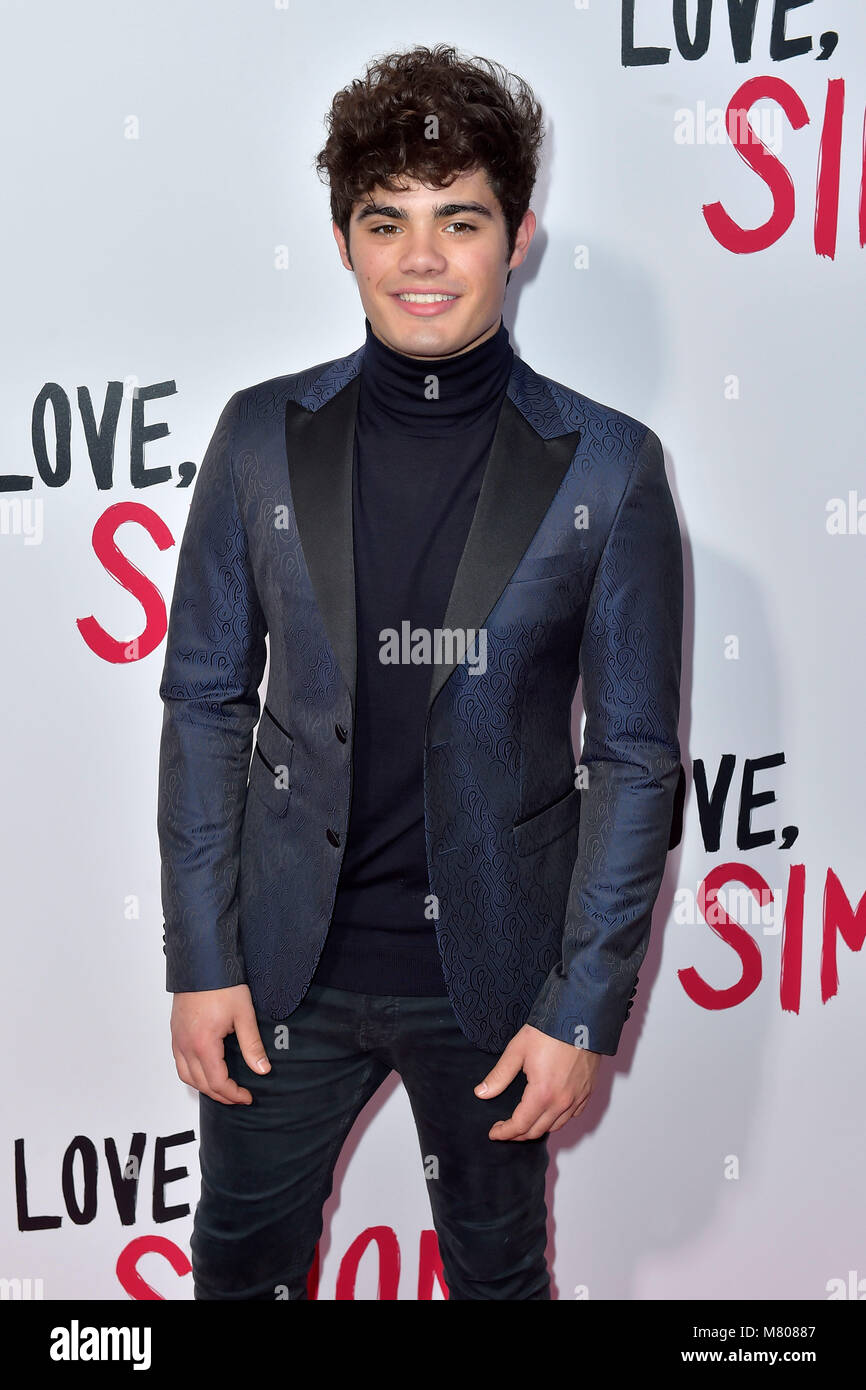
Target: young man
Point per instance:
(406, 870)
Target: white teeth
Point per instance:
(425, 298)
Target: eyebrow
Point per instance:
(439, 210)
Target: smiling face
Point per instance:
(409, 248)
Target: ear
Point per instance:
(342, 246)
(525, 233)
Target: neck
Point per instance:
(434, 395)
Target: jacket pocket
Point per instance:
(271, 767)
(534, 832)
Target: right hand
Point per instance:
(199, 1022)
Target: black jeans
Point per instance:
(267, 1168)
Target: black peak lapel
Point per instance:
(522, 476)
(320, 448)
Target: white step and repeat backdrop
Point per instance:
(164, 232)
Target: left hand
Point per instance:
(560, 1079)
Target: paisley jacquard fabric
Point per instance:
(544, 875)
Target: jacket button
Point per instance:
(333, 836)
(340, 732)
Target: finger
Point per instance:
(526, 1114)
(198, 1078)
(501, 1075)
(535, 1131)
(564, 1119)
(216, 1075)
(183, 1070)
(543, 1125)
(572, 1114)
(250, 1043)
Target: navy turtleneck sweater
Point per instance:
(421, 447)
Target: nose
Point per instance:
(421, 253)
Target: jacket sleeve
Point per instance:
(630, 662)
(214, 662)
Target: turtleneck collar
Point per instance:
(469, 385)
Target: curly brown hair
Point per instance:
(378, 130)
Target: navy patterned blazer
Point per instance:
(543, 874)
